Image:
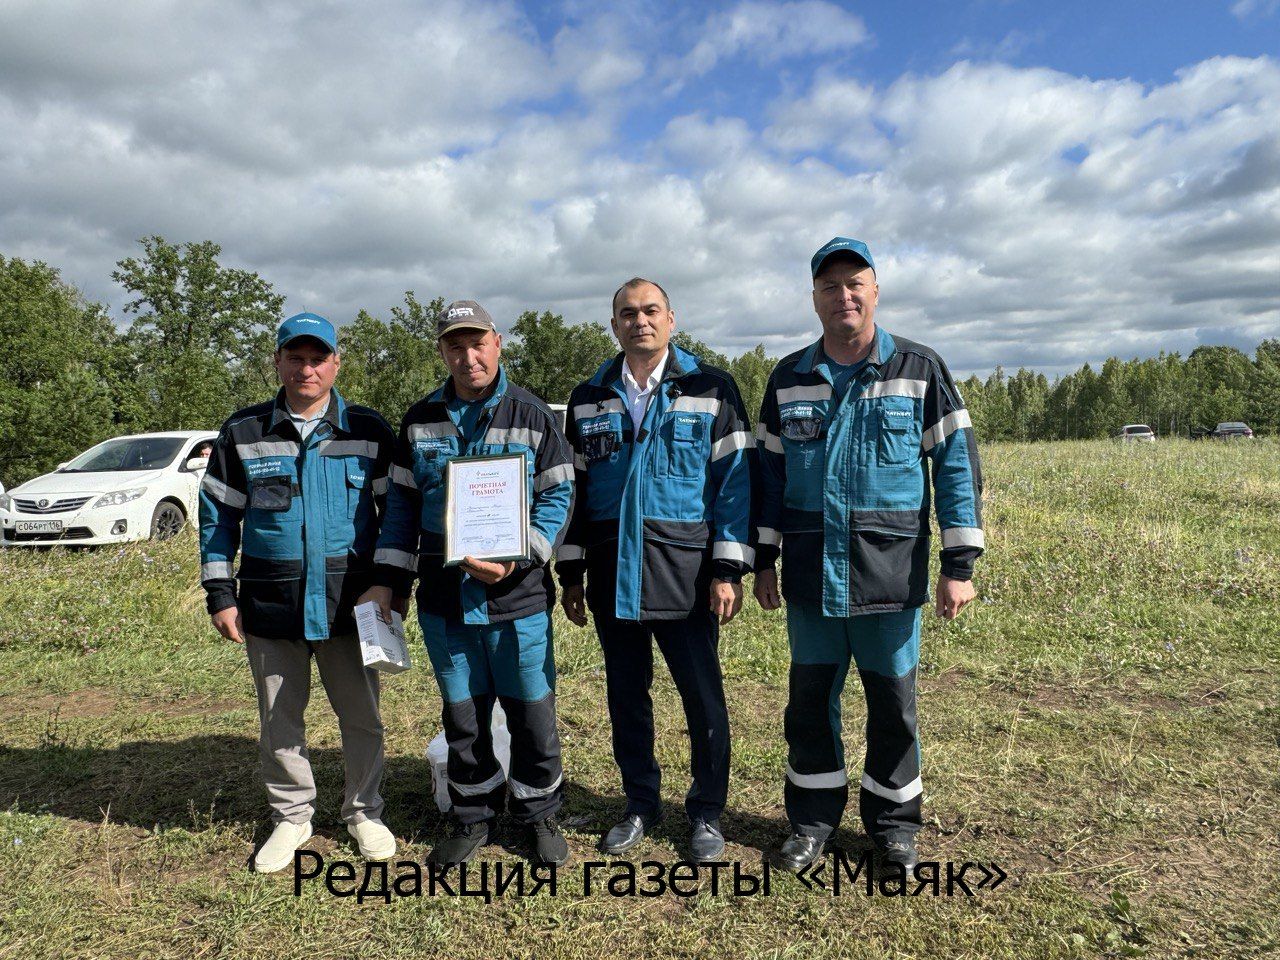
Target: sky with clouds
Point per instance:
(1040, 187)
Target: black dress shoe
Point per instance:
(798, 851)
(897, 853)
(549, 844)
(461, 845)
(706, 842)
(627, 832)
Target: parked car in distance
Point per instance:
(1136, 433)
(135, 487)
(1231, 431)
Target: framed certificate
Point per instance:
(486, 509)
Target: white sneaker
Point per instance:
(277, 852)
(374, 840)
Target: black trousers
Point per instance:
(690, 648)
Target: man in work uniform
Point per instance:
(850, 431)
(297, 486)
(664, 457)
(486, 624)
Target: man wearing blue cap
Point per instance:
(298, 486)
(851, 429)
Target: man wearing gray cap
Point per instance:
(486, 624)
(297, 486)
(851, 429)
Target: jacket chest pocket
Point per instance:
(802, 441)
(601, 438)
(272, 496)
(357, 484)
(430, 457)
(346, 480)
(685, 437)
(899, 435)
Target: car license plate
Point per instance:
(38, 526)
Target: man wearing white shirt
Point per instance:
(638, 397)
(659, 533)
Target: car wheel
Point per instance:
(167, 520)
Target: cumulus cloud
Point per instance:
(1244, 9)
(1018, 215)
(769, 32)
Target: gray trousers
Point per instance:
(282, 676)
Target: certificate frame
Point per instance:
(456, 471)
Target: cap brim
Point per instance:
(333, 347)
(466, 325)
(841, 253)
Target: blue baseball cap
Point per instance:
(841, 245)
(307, 325)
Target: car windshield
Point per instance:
(1232, 426)
(1139, 428)
(127, 453)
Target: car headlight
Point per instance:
(6, 502)
(119, 497)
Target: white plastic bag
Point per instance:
(438, 757)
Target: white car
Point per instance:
(128, 488)
(1136, 433)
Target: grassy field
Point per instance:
(1103, 724)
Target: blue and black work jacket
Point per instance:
(303, 515)
(412, 543)
(844, 482)
(663, 509)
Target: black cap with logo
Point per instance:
(464, 315)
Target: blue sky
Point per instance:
(1043, 185)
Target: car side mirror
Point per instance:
(61, 465)
(195, 464)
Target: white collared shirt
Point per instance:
(638, 398)
(304, 424)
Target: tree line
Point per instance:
(199, 340)
(1173, 395)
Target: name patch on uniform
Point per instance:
(433, 443)
(898, 413)
(589, 428)
(269, 466)
(798, 411)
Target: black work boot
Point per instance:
(799, 851)
(897, 854)
(549, 845)
(627, 832)
(706, 842)
(462, 844)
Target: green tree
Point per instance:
(390, 366)
(998, 411)
(56, 382)
(549, 357)
(1028, 394)
(1264, 393)
(199, 331)
(751, 371)
(687, 341)
(1219, 379)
